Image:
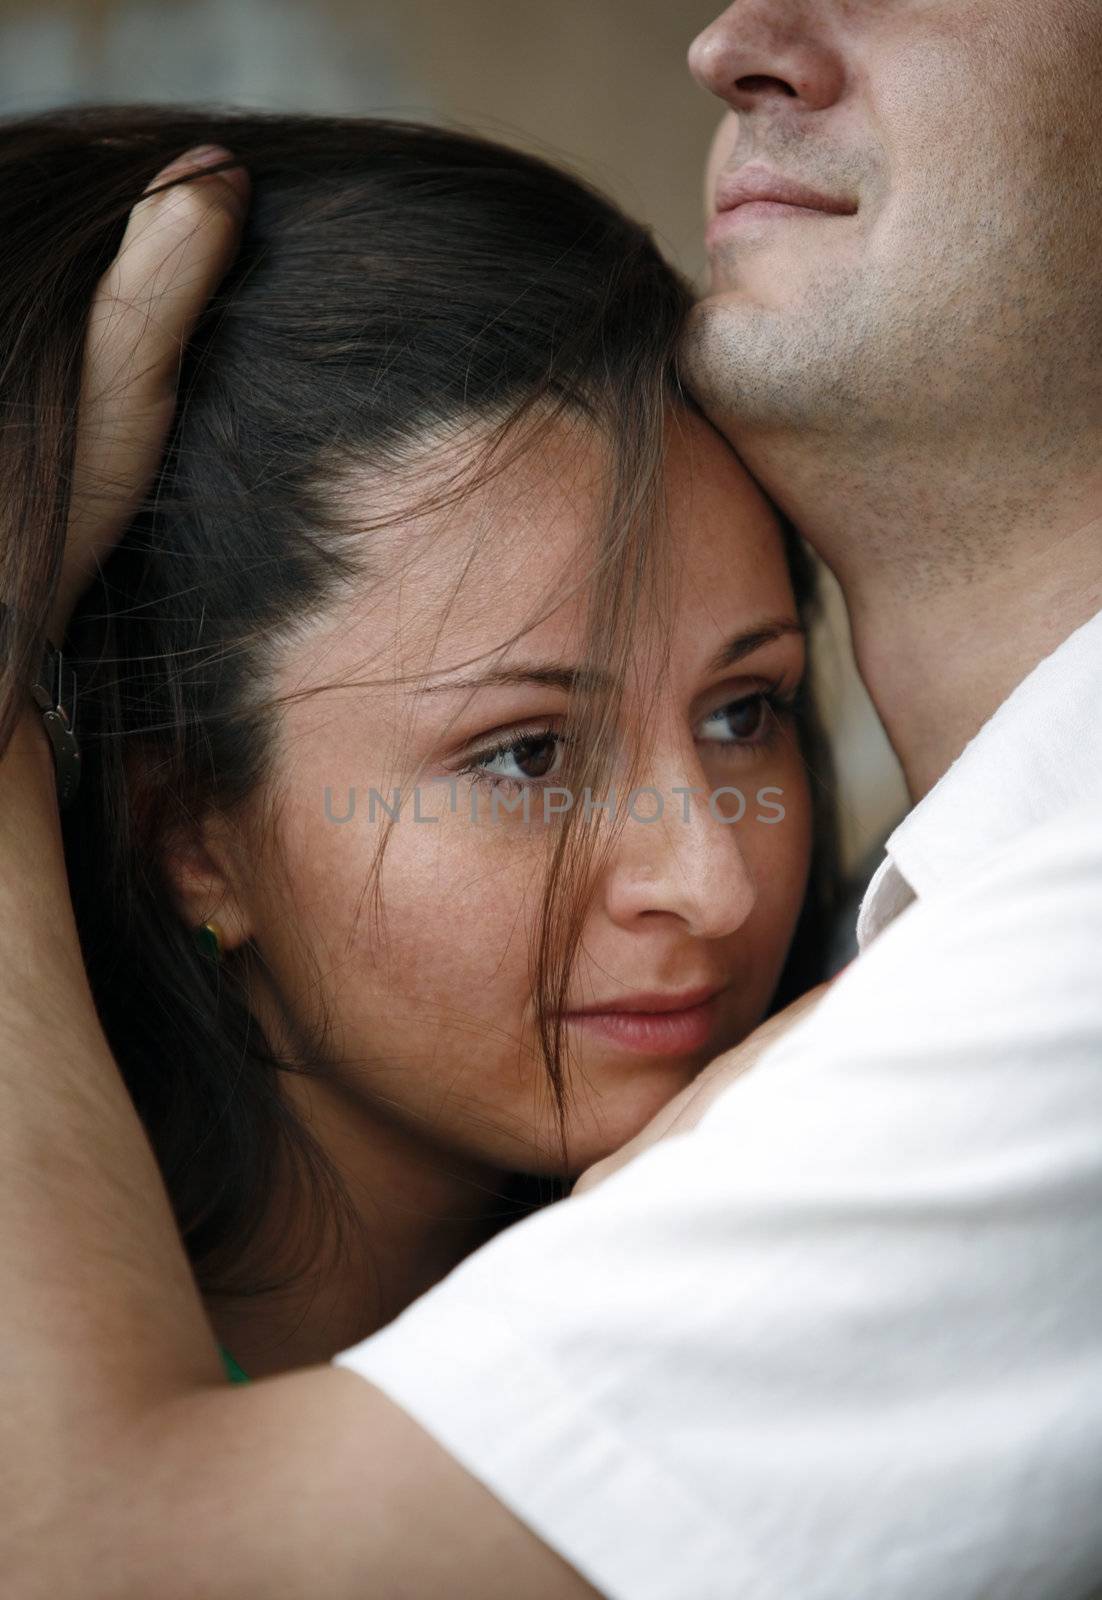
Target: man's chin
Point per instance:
(709, 347)
(722, 276)
(747, 365)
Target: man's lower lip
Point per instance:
(725, 222)
(653, 1033)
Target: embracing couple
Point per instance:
(563, 1230)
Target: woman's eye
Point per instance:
(525, 760)
(740, 721)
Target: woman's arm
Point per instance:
(129, 1468)
(83, 1207)
(100, 1307)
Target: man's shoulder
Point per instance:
(1041, 890)
(1068, 832)
(1050, 871)
(999, 965)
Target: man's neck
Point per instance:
(958, 581)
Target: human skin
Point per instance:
(116, 1441)
(917, 382)
(941, 656)
(906, 373)
(432, 1088)
(147, 1383)
(127, 1465)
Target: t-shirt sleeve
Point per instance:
(843, 1341)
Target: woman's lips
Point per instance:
(681, 1030)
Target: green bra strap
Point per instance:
(233, 1371)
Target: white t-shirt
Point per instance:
(843, 1341)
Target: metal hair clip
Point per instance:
(54, 691)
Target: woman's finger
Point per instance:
(177, 247)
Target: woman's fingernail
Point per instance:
(203, 155)
(236, 180)
(196, 161)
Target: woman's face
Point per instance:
(439, 686)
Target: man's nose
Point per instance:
(760, 52)
(679, 856)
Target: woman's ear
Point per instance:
(198, 862)
(196, 853)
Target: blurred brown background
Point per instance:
(598, 85)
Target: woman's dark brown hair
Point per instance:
(393, 280)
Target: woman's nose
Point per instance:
(679, 855)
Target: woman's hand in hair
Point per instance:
(685, 1110)
(177, 247)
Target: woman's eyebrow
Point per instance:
(556, 675)
(548, 675)
(751, 639)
